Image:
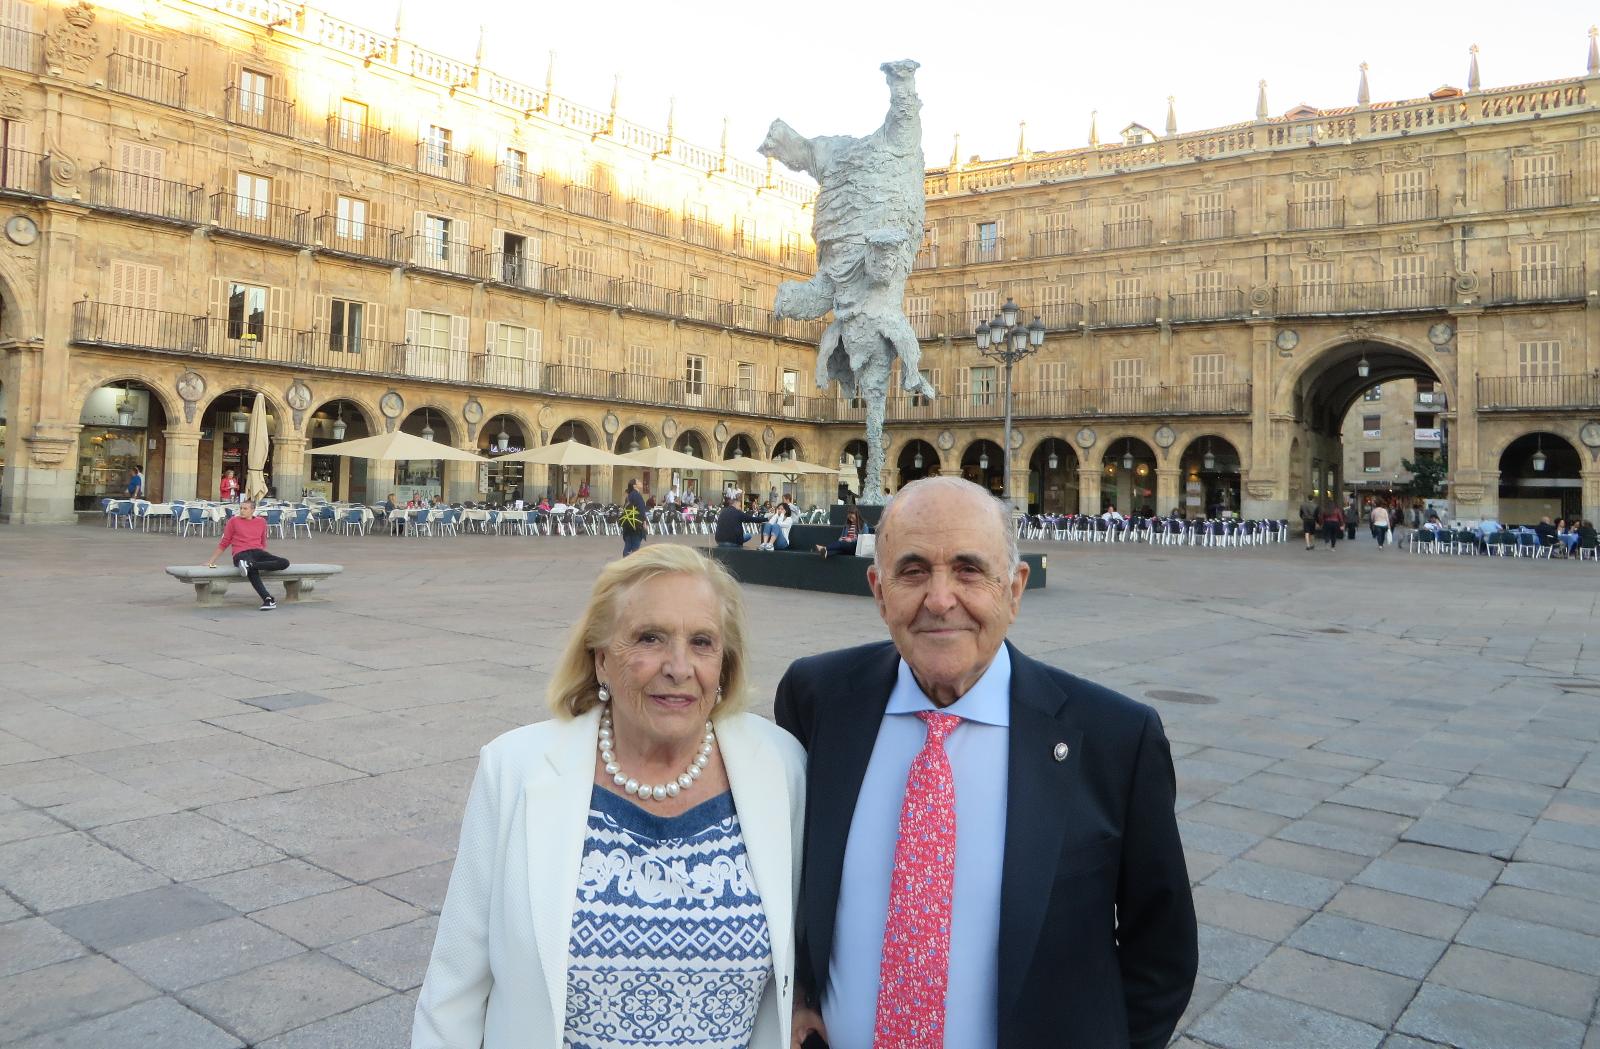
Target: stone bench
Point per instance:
(210, 584)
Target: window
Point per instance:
(1538, 270)
(1538, 360)
(1127, 301)
(1316, 203)
(694, 375)
(352, 122)
(1127, 373)
(640, 360)
(436, 246)
(344, 325)
(513, 258)
(1206, 369)
(988, 239)
(1056, 305)
(247, 312)
(790, 387)
(1129, 210)
(1374, 394)
(746, 382)
(585, 282)
(1409, 192)
(514, 169)
(981, 306)
(252, 194)
(698, 303)
(511, 341)
(1537, 185)
(1408, 281)
(135, 284)
(746, 239)
(1372, 426)
(145, 55)
(1052, 376)
(433, 330)
(985, 384)
(1371, 462)
(254, 90)
(932, 375)
(580, 351)
(1315, 288)
(791, 248)
(350, 219)
(1209, 208)
(644, 271)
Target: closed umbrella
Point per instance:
(255, 480)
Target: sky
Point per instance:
(985, 69)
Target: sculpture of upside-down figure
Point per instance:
(868, 227)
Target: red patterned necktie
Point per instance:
(916, 938)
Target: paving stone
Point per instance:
(1529, 905)
(383, 1024)
(379, 857)
(28, 823)
(1360, 819)
(139, 916)
(1454, 860)
(1332, 836)
(1533, 941)
(1266, 799)
(32, 944)
(1458, 890)
(397, 957)
(1308, 859)
(1227, 956)
(1450, 835)
(1362, 943)
(1557, 880)
(159, 1022)
(209, 952)
(282, 996)
(270, 885)
(286, 700)
(1583, 835)
(57, 995)
(1493, 975)
(1405, 1041)
(186, 846)
(1437, 921)
(1246, 1019)
(1458, 1018)
(1262, 919)
(424, 887)
(1266, 882)
(335, 916)
(64, 870)
(11, 910)
(1205, 994)
(1557, 854)
(1202, 865)
(1219, 841)
(1356, 991)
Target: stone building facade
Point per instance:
(207, 202)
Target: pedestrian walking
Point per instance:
(136, 483)
(1308, 521)
(247, 534)
(632, 519)
(1332, 525)
(1352, 514)
(1380, 524)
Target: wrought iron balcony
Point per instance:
(927, 258)
(23, 172)
(1229, 399)
(1408, 206)
(637, 295)
(245, 339)
(927, 325)
(1544, 191)
(649, 219)
(102, 324)
(1429, 401)
(1206, 225)
(1129, 233)
(1047, 242)
(1379, 296)
(1219, 305)
(702, 233)
(248, 217)
(748, 318)
(136, 194)
(1538, 284)
(1509, 393)
(581, 200)
(359, 239)
(358, 139)
(260, 111)
(580, 284)
(1132, 311)
(141, 78)
(990, 249)
(21, 50)
(429, 362)
(443, 255)
(794, 257)
(1060, 316)
(512, 373)
(700, 307)
(515, 180)
(1316, 214)
(517, 271)
(441, 162)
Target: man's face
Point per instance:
(943, 590)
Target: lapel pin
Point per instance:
(1061, 751)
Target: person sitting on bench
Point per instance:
(846, 543)
(247, 534)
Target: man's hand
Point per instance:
(803, 1024)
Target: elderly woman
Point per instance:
(628, 870)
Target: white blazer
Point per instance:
(498, 975)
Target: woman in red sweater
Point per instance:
(247, 534)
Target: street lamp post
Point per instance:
(1006, 340)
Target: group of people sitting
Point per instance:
(775, 520)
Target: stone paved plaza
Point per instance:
(223, 828)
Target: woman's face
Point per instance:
(664, 662)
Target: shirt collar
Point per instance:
(988, 701)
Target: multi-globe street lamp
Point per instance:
(1007, 340)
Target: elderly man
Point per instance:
(991, 855)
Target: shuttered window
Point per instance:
(1127, 373)
(1206, 369)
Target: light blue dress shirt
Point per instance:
(978, 751)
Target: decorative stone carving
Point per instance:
(1466, 283)
(1016, 439)
(721, 432)
(1165, 435)
(546, 416)
(146, 128)
(191, 386)
(769, 434)
(1085, 437)
(946, 440)
(1261, 296)
(1317, 249)
(1468, 493)
(472, 411)
(1259, 489)
(611, 424)
(71, 45)
(669, 428)
(1359, 330)
(298, 396)
(1408, 243)
(50, 452)
(867, 224)
(10, 102)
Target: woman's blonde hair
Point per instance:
(573, 686)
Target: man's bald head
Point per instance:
(950, 489)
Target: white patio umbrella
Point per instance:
(567, 453)
(399, 445)
(662, 458)
(255, 479)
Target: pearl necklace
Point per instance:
(659, 791)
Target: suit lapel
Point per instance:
(1041, 803)
(840, 750)
(556, 813)
(761, 797)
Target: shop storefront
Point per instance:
(118, 436)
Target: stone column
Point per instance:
(1466, 477)
(1266, 486)
(1017, 484)
(1169, 482)
(41, 452)
(1089, 490)
(460, 481)
(181, 480)
(290, 467)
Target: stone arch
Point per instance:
(371, 418)
(1064, 448)
(691, 436)
(276, 406)
(734, 439)
(578, 429)
(1507, 435)
(846, 446)
(1103, 446)
(652, 433)
(128, 371)
(525, 423)
(430, 413)
(783, 444)
(1331, 366)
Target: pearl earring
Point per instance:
(604, 695)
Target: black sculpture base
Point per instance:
(801, 569)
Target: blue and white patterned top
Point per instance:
(670, 946)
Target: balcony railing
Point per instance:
(141, 78)
(927, 258)
(443, 255)
(797, 258)
(1503, 393)
(248, 217)
(637, 295)
(1206, 225)
(649, 219)
(1219, 305)
(1047, 242)
(23, 172)
(748, 318)
(927, 325)
(1061, 316)
(580, 284)
(1545, 191)
(702, 233)
(21, 50)
(1316, 214)
(1232, 399)
(429, 362)
(581, 200)
(361, 239)
(516, 373)
(700, 307)
(515, 180)
(137, 194)
(256, 110)
(1378, 296)
(1538, 284)
(1129, 233)
(102, 324)
(1408, 206)
(1133, 311)
(358, 139)
(992, 249)
(517, 271)
(441, 162)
